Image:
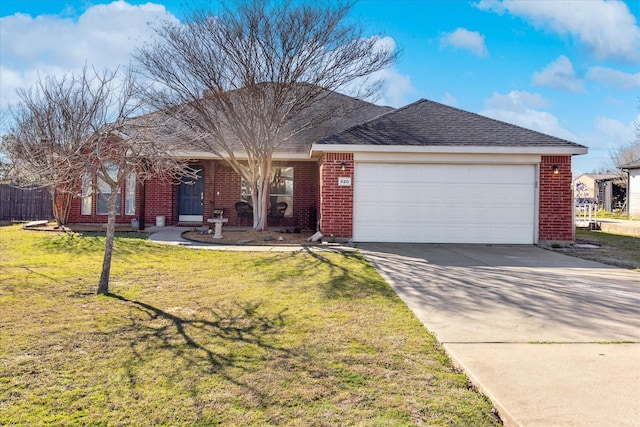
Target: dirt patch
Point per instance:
(82, 228)
(252, 237)
(616, 250)
(249, 237)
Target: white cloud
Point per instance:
(607, 29)
(611, 133)
(515, 100)
(462, 38)
(523, 109)
(396, 88)
(104, 36)
(607, 137)
(559, 74)
(450, 100)
(611, 100)
(610, 77)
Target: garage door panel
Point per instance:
(444, 203)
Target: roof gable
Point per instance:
(428, 123)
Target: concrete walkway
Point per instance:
(552, 340)
(620, 226)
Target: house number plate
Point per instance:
(344, 181)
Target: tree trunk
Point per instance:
(54, 206)
(103, 285)
(255, 202)
(261, 193)
(61, 203)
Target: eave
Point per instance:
(318, 149)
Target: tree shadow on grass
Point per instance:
(351, 283)
(85, 242)
(349, 274)
(72, 243)
(234, 336)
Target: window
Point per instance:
(280, 190)
(87, 198)
(130, 195)
(104, 192)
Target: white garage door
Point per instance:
(444, 203)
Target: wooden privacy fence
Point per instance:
(23, 204)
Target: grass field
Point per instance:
(194, 338)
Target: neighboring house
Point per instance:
(422, 173)
(607, 190)
(633, 187)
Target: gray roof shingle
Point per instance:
(338, 112)
(428, 123)
(631, 165)
(331, 113)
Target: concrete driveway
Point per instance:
(552, 340)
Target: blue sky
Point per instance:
(566, 68)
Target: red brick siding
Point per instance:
(222, 190)
(161, 199)
(226, 192)
(556, 200)
(76, 217)
(74, 212)
(336, 202)
(305, 193)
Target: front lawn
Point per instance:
(193, 337)
(614, 249)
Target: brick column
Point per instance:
(336, 202)
(556, 200)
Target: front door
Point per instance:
(191, 199)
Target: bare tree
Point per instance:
(45, 139)
(246, 79)
(626, 153)
(90, 125)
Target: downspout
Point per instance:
(628, 171)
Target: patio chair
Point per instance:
(276, 213)
(244, 210)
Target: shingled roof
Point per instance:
(334, 113)
(330, 113)
(428, 123)
(631, 165)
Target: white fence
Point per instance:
(586, 215)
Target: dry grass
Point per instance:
(191, 337)
(612, 249)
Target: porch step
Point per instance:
(190, 224)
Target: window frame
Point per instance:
(130, 194)
(102, 195)
(279, 181)
(86, 194)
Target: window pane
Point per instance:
(281, 188)
(101, 204)
(105, 192)
(87, 200)
(282, 182)
(287, 199)
(130, 198)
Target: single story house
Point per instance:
(426, 172)
(607, 190)
(633, 187)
